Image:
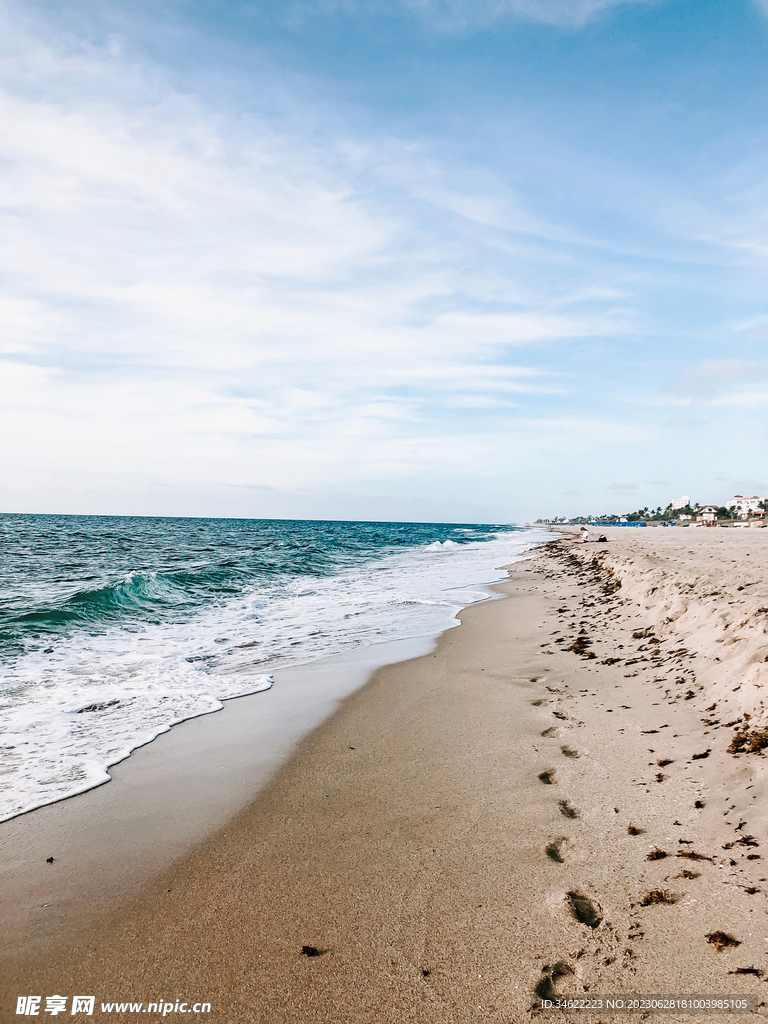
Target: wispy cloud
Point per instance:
(724, 382)
(457, 15)
(558, 13)
(219, 298)
(621, 489)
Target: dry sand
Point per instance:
(544, 805)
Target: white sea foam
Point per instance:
(82, 703)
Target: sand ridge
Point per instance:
(708, 588)
(507, 819)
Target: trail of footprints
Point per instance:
(583, 908)
(604, 945)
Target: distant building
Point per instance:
(677, 503)
(742, 505)
(706, 514)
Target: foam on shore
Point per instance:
(77, 702)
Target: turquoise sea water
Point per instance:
(114, 628)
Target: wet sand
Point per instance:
(536, 808)
(165, 799)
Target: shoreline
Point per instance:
(171, 794)
(130, 654)
(414, 843)
(167, 796)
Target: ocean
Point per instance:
(113, 629)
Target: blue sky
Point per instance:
(398, 259)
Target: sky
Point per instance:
(437, 260)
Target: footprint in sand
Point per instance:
(557, 849)
(549, 777)
(539, 703)
(586, 910)
(550, 732)
(547, 986)
(570, 752)
(567, 809)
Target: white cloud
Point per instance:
(724, 382)
(620, 489)
(463, 15)
(746, 399)
(193, 296)
(457, 14)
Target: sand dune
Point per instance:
(708, 589)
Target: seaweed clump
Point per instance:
(748, 739)
(722, 940)
(657, 854)
(655, 896)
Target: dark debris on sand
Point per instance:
(655, 896)
(657, 854)
(722, 940)
(692, 855)
(748, 739)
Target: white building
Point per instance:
(680, 502)
(706, 514)
(741, 505)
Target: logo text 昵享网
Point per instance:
(36, 1006)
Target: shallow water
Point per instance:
(113, 629)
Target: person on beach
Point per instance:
(583, 536)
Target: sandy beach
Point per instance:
(566, 797)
